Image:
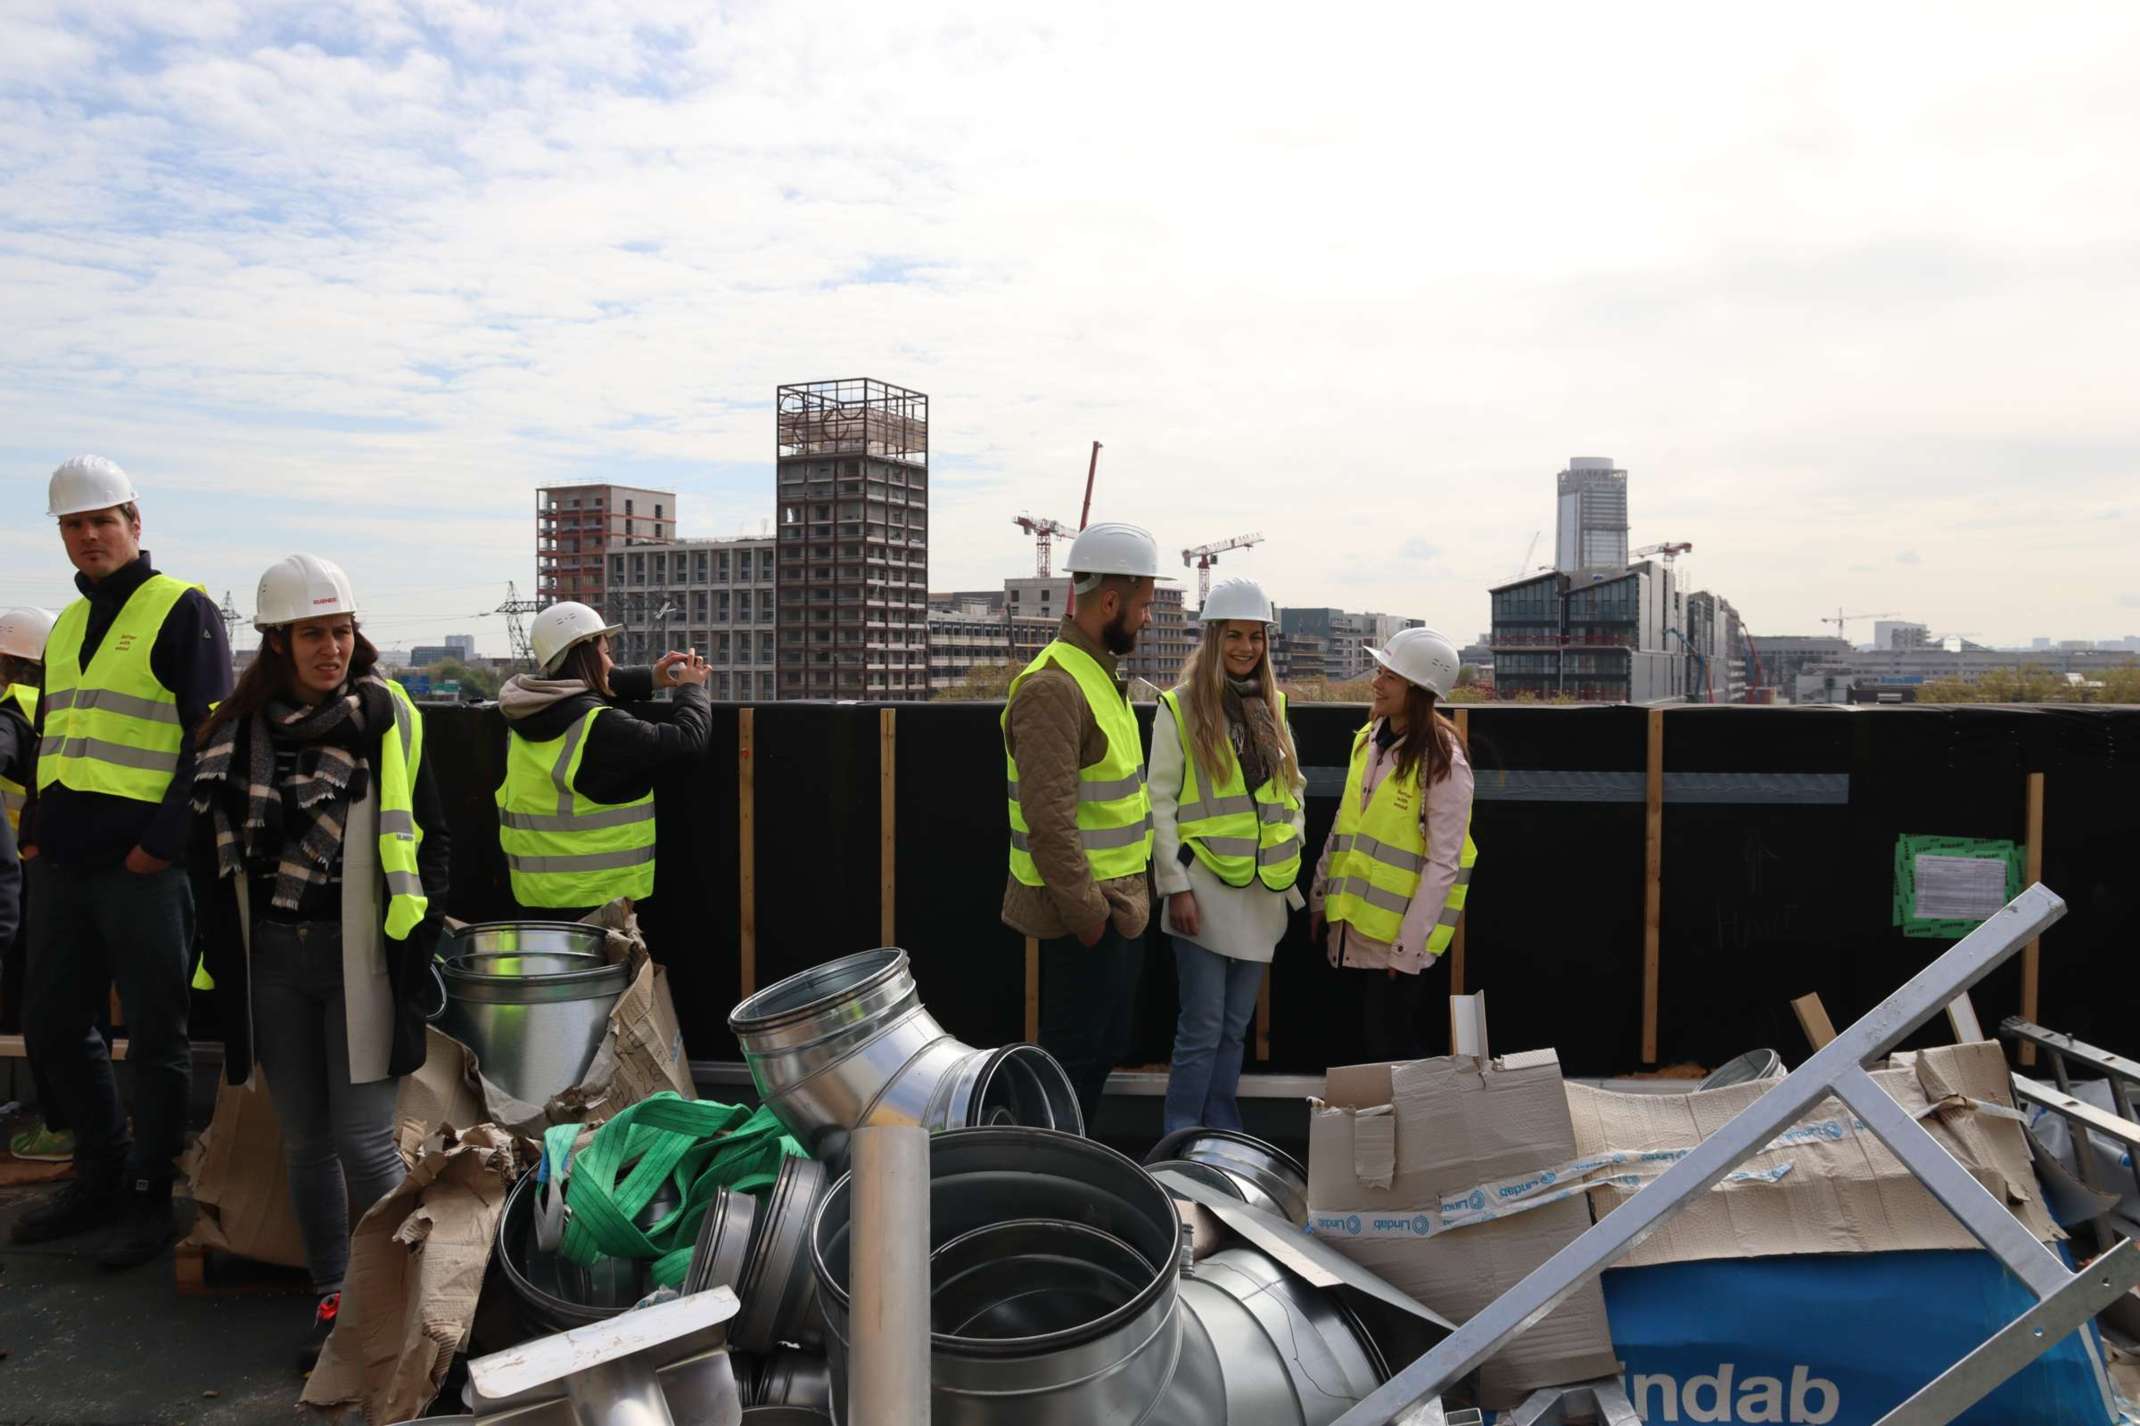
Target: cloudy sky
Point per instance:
(1852, 291)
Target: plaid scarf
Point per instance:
(303, 849)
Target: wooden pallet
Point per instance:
(210, 1272)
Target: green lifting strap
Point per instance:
(695, 1144)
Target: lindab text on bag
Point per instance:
(1723, 1397)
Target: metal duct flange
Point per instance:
(724, 1241)
(554, 1293)
(1030, 1277)
(784, 1416)
(1111, 1365)
(848, 1043)
(1748, 1068)
(1262, 1175)
(778, 1289)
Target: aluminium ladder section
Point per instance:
(1837, 1069)
(2122, 1127)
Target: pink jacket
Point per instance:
(1444, 815)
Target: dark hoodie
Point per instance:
(625, 755)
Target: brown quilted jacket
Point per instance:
(1051, 734)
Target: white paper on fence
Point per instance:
(1959, 888)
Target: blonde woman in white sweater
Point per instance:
(1226, 793)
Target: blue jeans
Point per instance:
(1218, 998)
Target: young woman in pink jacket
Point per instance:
(1396, 867)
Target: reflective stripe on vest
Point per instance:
(112, 728)
(1379, 853)
(563, 849)
(1238, 836)
(399, 837)
(1114, 810)
(12, 793)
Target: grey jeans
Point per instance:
(331, 1129)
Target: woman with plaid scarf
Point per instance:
(310, 784)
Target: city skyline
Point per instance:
(358, 282)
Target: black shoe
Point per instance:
(308, 1352)
(146, 1227)
(77, 1207)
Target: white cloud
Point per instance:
(386, 270)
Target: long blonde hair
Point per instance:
(1203, 699)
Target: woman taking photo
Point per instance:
(1226, 819)
(576, 809)
(317, 805)
(1397, 865)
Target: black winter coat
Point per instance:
(407, 961)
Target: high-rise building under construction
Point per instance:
(852, 495)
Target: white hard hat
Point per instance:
(23, 633)
(301, 587)
(561, 626)
(1423, 657)
(87, 483)
(1238, 599)
(1114, 548)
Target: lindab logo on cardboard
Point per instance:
(1724, 1397)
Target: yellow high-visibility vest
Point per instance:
(12, 793)
(1114, 809)
(1238, 835)
(1377, 854)
(112, 728)
(563, 849)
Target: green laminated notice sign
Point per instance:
(1945, 887)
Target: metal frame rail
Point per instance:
(2081, 1117)
(2063, 1299)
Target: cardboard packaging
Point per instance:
(1827, 1184)
(1399, 1154)
(416, 1266)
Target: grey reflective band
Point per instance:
(591, 861)
(1110, 791)
(1097, 840)
(404, 883)
(1274, 812)
(1450, 916)
(102, 751)
(1463, 876)
(1215, 807)
(1382, 852)
(579, 822)
(1370, 893)
(402, 714)
(1228, 846)
(104, 700)
(1277, 852)
(562, 773)
(393, 823)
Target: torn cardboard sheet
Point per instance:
(416, 1266)
(1844, 1192)
(235, 1170)
(1391, 1141)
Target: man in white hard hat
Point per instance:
(1081, 820)
(131, 670)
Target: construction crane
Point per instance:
(230, 616)
(1842, 620)
(1043, 532)
(1528, 553)
(515, 631)
(1203, 557)
(1670, 549)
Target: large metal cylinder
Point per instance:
(848, 1043)
(532, 999)
(777, 1288)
